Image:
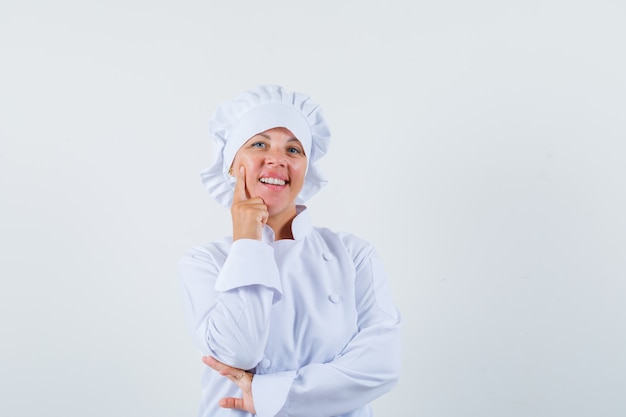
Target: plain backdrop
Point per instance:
(479, 145)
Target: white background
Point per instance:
(479, 145)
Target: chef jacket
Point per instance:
(312, 317)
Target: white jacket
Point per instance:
(312, 317)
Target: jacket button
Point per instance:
(265, 363)
(328, 256)
(334, 298)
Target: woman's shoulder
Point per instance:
(355, 245)
(212, 251)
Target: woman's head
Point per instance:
(236, 122)
(274, 166)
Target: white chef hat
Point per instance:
(253, 112)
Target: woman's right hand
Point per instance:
(239, 377)
(249, 214)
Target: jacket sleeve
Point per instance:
(368, 366)
(227, 307)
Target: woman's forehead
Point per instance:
(278, 132)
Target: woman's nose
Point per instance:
(275, 158)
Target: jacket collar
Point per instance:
(300, 226)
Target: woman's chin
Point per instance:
(275, 209)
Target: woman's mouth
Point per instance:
(273, 181)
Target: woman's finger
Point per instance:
(234, 374)
(241, 194)
(231, 402)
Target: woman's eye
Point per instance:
(258, 145)
(294, 150)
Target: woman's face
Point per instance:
(275, 165)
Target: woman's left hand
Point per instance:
(240, 377)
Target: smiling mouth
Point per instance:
(273, 181)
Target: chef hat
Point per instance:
(234, 122)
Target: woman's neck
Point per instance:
(281, 224)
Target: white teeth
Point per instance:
(274, 181)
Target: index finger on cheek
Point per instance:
(240, 193)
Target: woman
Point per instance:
(292, 319)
